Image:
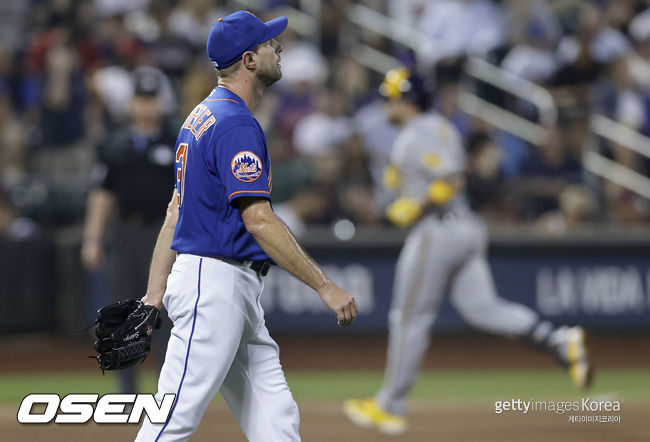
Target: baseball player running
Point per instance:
(225, 235)
(444, 252)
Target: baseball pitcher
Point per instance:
(225, 236)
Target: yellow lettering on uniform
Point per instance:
(430, 160)
(392, 177)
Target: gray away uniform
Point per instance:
(445, 252)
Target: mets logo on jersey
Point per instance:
(246, 166)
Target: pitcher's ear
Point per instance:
(249, 60)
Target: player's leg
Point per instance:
(420, 280)
(474, 296)
(202, 300)
(257, 393)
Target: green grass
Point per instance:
(460, 384)
(471, 384)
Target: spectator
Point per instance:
(487, 188)
(306, 206)
(593, 39)
(13, 144)
(617, 98)
(115, 7)
(62, 125)
(576, 205)
(302, 63)
(66, 78)
(624, 206)
(459, 27)
(546, 172)
(639, 59)
(581, 57)
(532, 59)
(196, 84)
(165, 49)
(638, 62)
(193, 19)
(519, 14)
(324, 130)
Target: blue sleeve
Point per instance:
(243, 163)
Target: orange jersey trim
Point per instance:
(222, 99)
(248, 191)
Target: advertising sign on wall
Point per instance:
(597, 290)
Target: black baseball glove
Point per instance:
(124, 333)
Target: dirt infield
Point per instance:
(623, 350)
(323, 421)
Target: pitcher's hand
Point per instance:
(340, 302)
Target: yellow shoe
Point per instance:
(368, 414)
(577, 357)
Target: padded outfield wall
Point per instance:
(598, 279)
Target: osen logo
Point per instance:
(78, 408)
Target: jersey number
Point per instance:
(181, 160)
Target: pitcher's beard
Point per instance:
(268, 78)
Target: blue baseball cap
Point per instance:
(239, 32)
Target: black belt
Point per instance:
(259, 267)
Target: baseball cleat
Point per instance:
(577, 357)
(367, 413)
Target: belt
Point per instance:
(259, 267)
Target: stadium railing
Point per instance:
(613, 171)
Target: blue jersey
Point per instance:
(221, 155)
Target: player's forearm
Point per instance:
(99, 211)
(278, 242)
(162, 261)
(163, 257)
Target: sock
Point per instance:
(557, 337)
(540, 332)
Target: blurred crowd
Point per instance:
(66, 81)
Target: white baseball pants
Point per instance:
(219, 342)
(440, 257)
